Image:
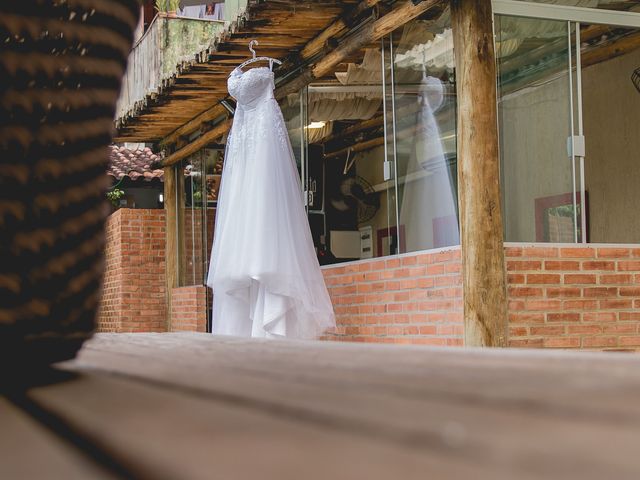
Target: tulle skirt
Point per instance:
(264, 272)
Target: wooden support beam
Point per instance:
(369, 33)
(374, 122)
(202, 141)
(618, 47)
(174, 246)
(356, 148)
(483, 265)
(194, 124)
(370, 143)
(336, 29)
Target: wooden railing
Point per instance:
(169, 46)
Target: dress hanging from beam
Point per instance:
(264, 272)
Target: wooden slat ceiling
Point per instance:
(282, 28)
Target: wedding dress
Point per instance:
(264, 272)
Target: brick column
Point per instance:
(133, 298)
(189, 309)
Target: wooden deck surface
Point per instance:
(195, 406)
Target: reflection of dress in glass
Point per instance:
(264, 271)
(428, 211)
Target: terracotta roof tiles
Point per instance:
(133, 163)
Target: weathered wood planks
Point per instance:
(30, 451)
(194, 406)
(199, 406)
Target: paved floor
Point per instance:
(191, 406)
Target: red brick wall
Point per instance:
(414, 298)
(584, 297)
(110, 305)
(133, 297)
(559, 296)
(189, 309)
(574, 297)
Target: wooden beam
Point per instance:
(483, 265)
(356, 148)
(202, 141)
(369, 33)
(374, 122)
(174, 215)
(597, 54)
(370, 143)
(193, 124)
(336, 29)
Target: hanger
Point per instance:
(258, 59)
(347, 164)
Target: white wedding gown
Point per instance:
(264, 272)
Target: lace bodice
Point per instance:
(251, 87)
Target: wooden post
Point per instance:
(174, 221)
(481, 233)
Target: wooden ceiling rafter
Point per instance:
(201, 142)
(281, 27)
(369, 33)
(192, 125)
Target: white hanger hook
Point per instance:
(251, 44)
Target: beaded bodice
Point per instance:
(251, 87)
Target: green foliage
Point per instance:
(167, 5)
(114, 196)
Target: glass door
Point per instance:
(569, 96)
(608, 92)
(423, 105)
(536, 113)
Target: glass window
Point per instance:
(192, 234)
(539, 177)
(380, 140)
(202, 174)
(568, 103)
(599, 4)
(352, 202)
(610, 84)
(424, 119)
